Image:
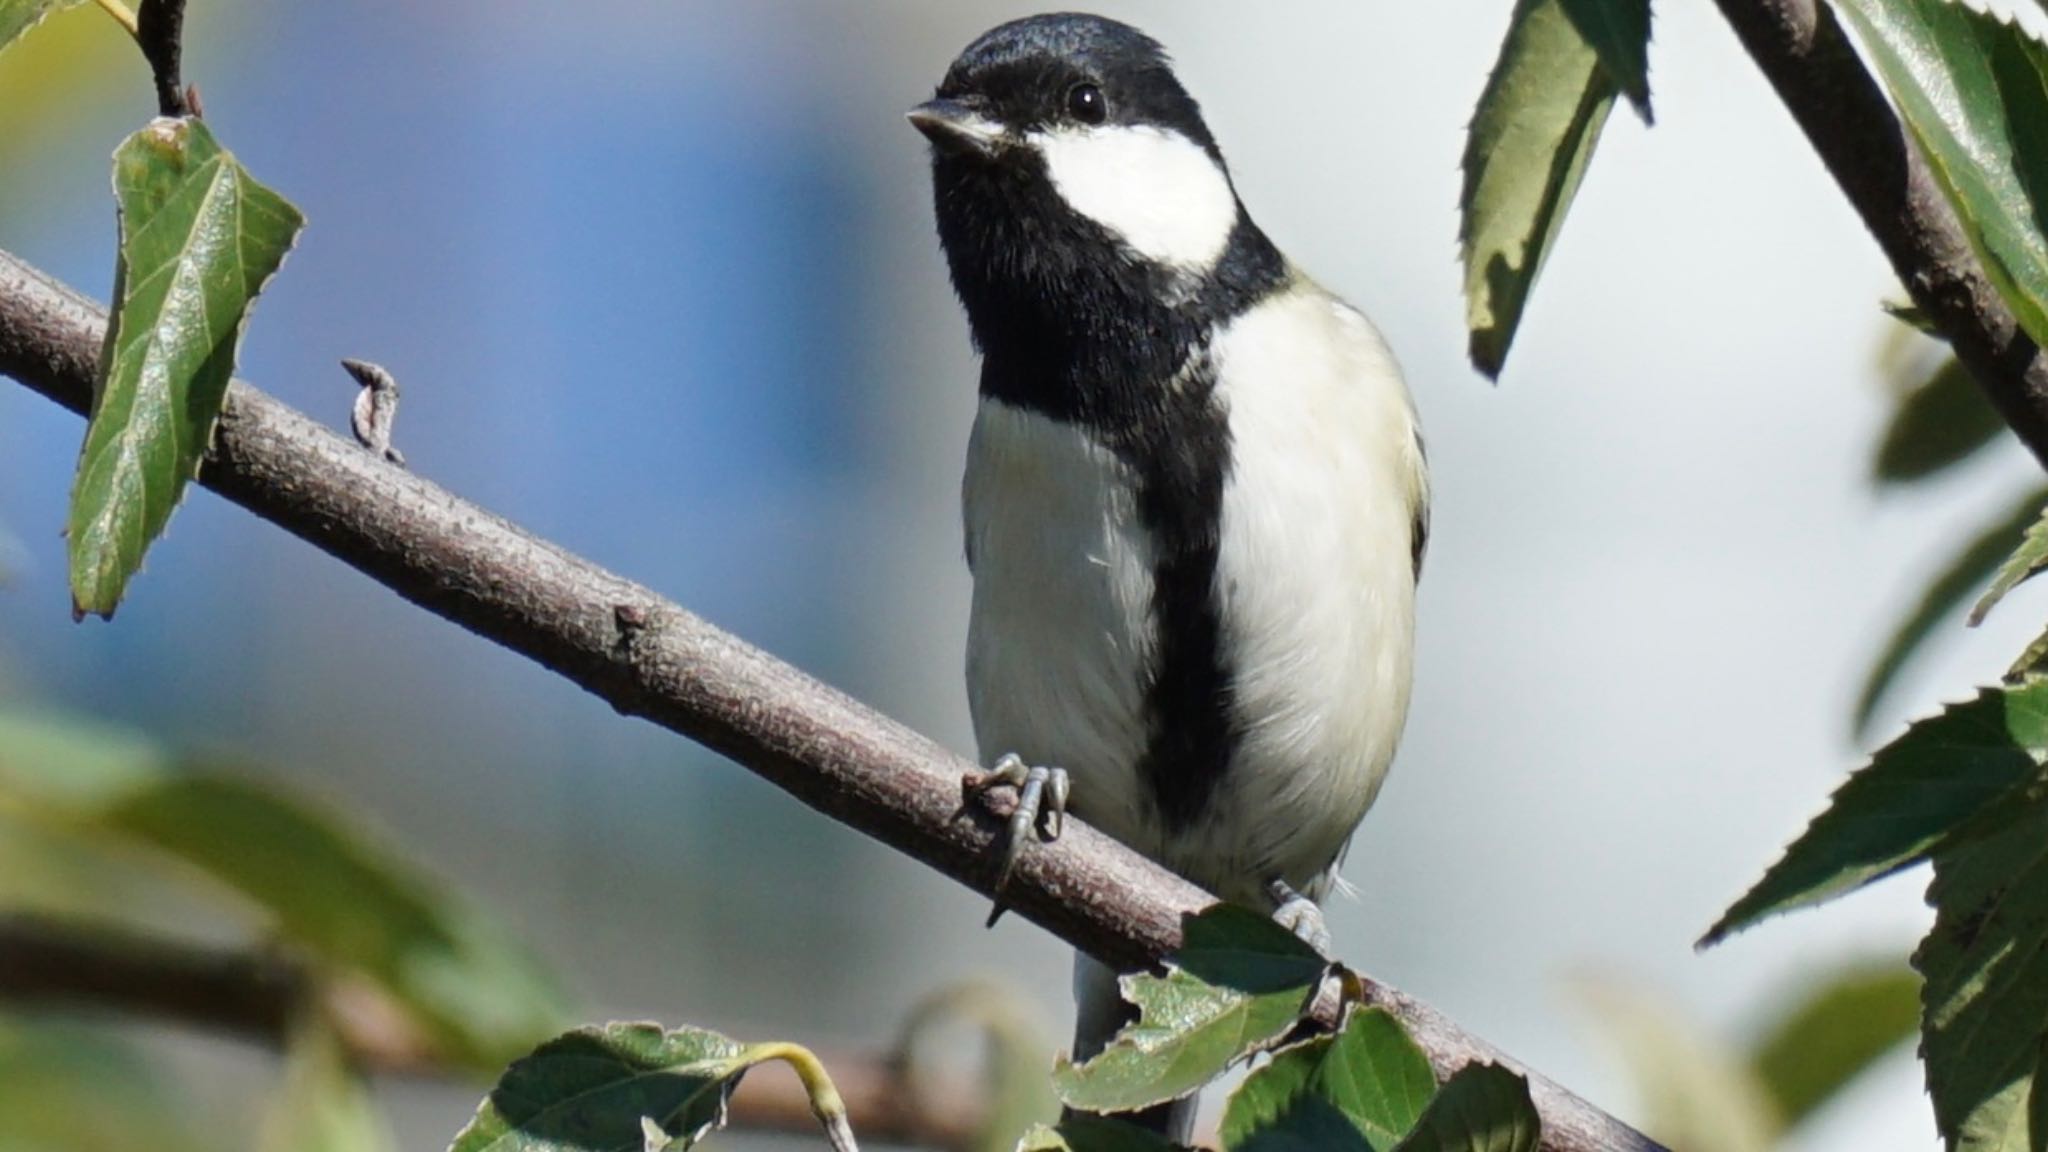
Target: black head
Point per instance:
(1064, 68)
(1085, 209)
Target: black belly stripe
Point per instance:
(1192, 735)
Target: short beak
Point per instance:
(952, 126)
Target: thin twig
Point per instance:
(122, 14)
(160, 29)
(649, 657)
(1801, 49)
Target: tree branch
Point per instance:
(1801, 48)
(649, 657)
(254, 997)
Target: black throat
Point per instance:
(1122, 348)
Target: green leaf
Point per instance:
(199, 239)
(484, 998)
(1913, 794)
(2024, 564)
(1530, 141)
(593, 1089)
(1619, 31)
(69, 1086)
(1238, 984)
(1843, 1024)
(1370, 1076)
(1080, 1132)
(1965, 573)
(1986, 997)
(1695, 1091)
(18, 16)
(1970, 89)
(1483, 1108)
(326, 1105)
(1940, 423)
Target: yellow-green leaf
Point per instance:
(1481, 1108)
(18, 16)
(481, 996)
(1619, 31)
(1839, 1027)
(1237, 985)
(1530, 140)
(1370, 1076)
(199, 239)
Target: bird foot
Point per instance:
(1299, 915)
(1041, 803)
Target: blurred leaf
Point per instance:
(2026, 561)
(326, 1105)
(1915, 792)
(1531, 138)
(1941, 423)
(1695, 1091)
(1018, 1093)
(1966, 572)
(2031, 662)
(1845, 1023)
(1986, 997)
(592, 1089)
(1081, 1132)
(1238, 984)
(79, 1089)
(18, 16)
(1482, 1108)
(1619, 31)
(199, 239)
(483, 997)
(1370, 1076)
(1969, 86)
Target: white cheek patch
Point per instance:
(1158, 191)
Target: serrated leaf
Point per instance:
(1238, 984)
(1080, 1132)
(1970, 88)
(1370, 1076)
(1619, 32)
(2024, 564)
(1842, 1025)
(592, 1089)
(18, 16)
(1482, 1108)
(1531, 138)
(1985, 1002)
(482, 997)
(1915, 792)
(1695, 1091)
(1936, 425)
(1967, 571)
(199, 239)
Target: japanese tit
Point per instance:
(1195, 497)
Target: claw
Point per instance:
(1299, 915)
(1041, 803)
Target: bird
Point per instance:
(1195, 500)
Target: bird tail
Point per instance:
(1100, 1012)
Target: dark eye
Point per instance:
(1086, 104)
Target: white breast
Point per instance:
(1316, 576)
(1060, 632)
